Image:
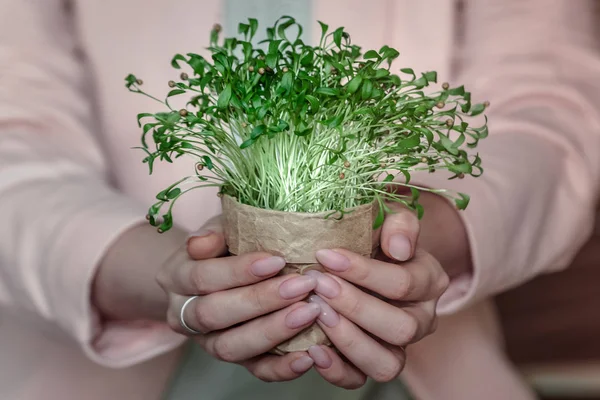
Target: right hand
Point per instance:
(244, 309)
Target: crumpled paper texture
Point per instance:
(296, 237)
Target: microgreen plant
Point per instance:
(283, 125)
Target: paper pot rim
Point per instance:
(296, 213)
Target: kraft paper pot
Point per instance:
(296, 237)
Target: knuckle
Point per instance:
(254, 297)
(357, 382)
(404, 287)
(222, 350)
(198, 280)
(206, 318)
(388, 371)
(406, 331)
(442, 283)
(162, 278)
(352, 304)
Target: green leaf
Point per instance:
(367, 90)
(257, 131)
(271, 61)
(287, 81)
(381, 72)
(314, 103)
(253, 26)
(247, 143)
(458, 91)
(224, 97)
(334, 122)
(173, 193)
(354, 84)
(462, 202)
(178, 57)
(409, 71)
(327, 91)
(431, 76)
(371, 54)
(324, 28)
(208, 162)
(378, 222)
(337, 36)
(420, 211)
(389, 178)
(175, 92)
(143, 115)
(477, 109)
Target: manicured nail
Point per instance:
(328, 315)
(400, 247)
(302, 316)
(297, 286)
(326, 285)
(320, 357)
(267, 266)
(302, 364)
(200, 233)
(332, 260)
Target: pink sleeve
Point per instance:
(59, 212)
(533, 208)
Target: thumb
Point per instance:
(399, 233)
(208, 241)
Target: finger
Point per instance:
(208, 241)
(226, 308)
(399, 233)
(421, 278)
(360, 349)
(393, 324)
(260, 335)
(335, 370)
(270, 368)
(185, 276)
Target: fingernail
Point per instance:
(302, 316)
(297, 286)
(200, 233)
(400, 247)
(332, 260)
(326, 285)
(328, 315)
(302, 364)
(320, 356)
(267, 266)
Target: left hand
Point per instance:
(371, 327)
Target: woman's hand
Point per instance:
(232, 291)
(395, 307)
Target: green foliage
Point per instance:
(286, 126)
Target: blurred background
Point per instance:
(552, 327)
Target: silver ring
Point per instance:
(184, 325)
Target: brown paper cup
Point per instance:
(296, 237)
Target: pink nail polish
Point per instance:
(267, 266)
(326, 285)
(332, 260)
(200, 233)
(328, 315)
(297, 286)
(320, 357)
(302, 364)
(302, 316)
(400, 247)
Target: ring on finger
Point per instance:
(182, 322)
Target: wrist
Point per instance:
(443, 234)
(125, 286)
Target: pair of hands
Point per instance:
(369, 308)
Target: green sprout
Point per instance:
(286, 126)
